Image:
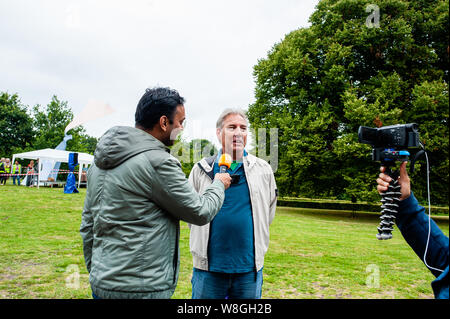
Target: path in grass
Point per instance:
(311, 254)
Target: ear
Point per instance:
(164, 123)
(219, 134)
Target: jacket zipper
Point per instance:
(175, 256)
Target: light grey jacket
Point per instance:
(136, 195)
(263, 196)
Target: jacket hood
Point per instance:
(120, 143)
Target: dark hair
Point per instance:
(155, 103)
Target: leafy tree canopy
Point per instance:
(16, 125)
(320, 83)
(22, 131)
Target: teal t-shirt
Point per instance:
(231, 242)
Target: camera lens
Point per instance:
(367, 135)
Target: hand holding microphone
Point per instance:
(224, 163)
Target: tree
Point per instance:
(44, 128)
(320, 83)
(16, 129)
(50, 124)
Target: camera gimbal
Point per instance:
(390, 144)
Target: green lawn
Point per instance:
(311, 255)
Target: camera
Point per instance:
(389, 143)
(394, 136)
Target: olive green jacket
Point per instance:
(136, 195)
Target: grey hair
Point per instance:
(230, 111)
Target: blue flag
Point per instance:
(70, 187)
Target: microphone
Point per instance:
(224, 163)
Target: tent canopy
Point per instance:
(55, 155)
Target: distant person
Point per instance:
(412, 222)
(83, 178)
(7, 165)
(16, 170)
(228, 253)
(30, 174)
(136, 196)
(36, 172)
(2, 170)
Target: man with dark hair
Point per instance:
(156, 103)
(136, 195)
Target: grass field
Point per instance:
(312, 254)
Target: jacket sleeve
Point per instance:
(413, 224)
(173, 192)
(86, 231)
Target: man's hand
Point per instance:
(404, 181)
(225, 178)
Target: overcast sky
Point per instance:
(113, 50)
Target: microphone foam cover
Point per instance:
(225, 160)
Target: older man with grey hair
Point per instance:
(228, 253)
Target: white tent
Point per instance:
(84, 159)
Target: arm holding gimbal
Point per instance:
(390, 144)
